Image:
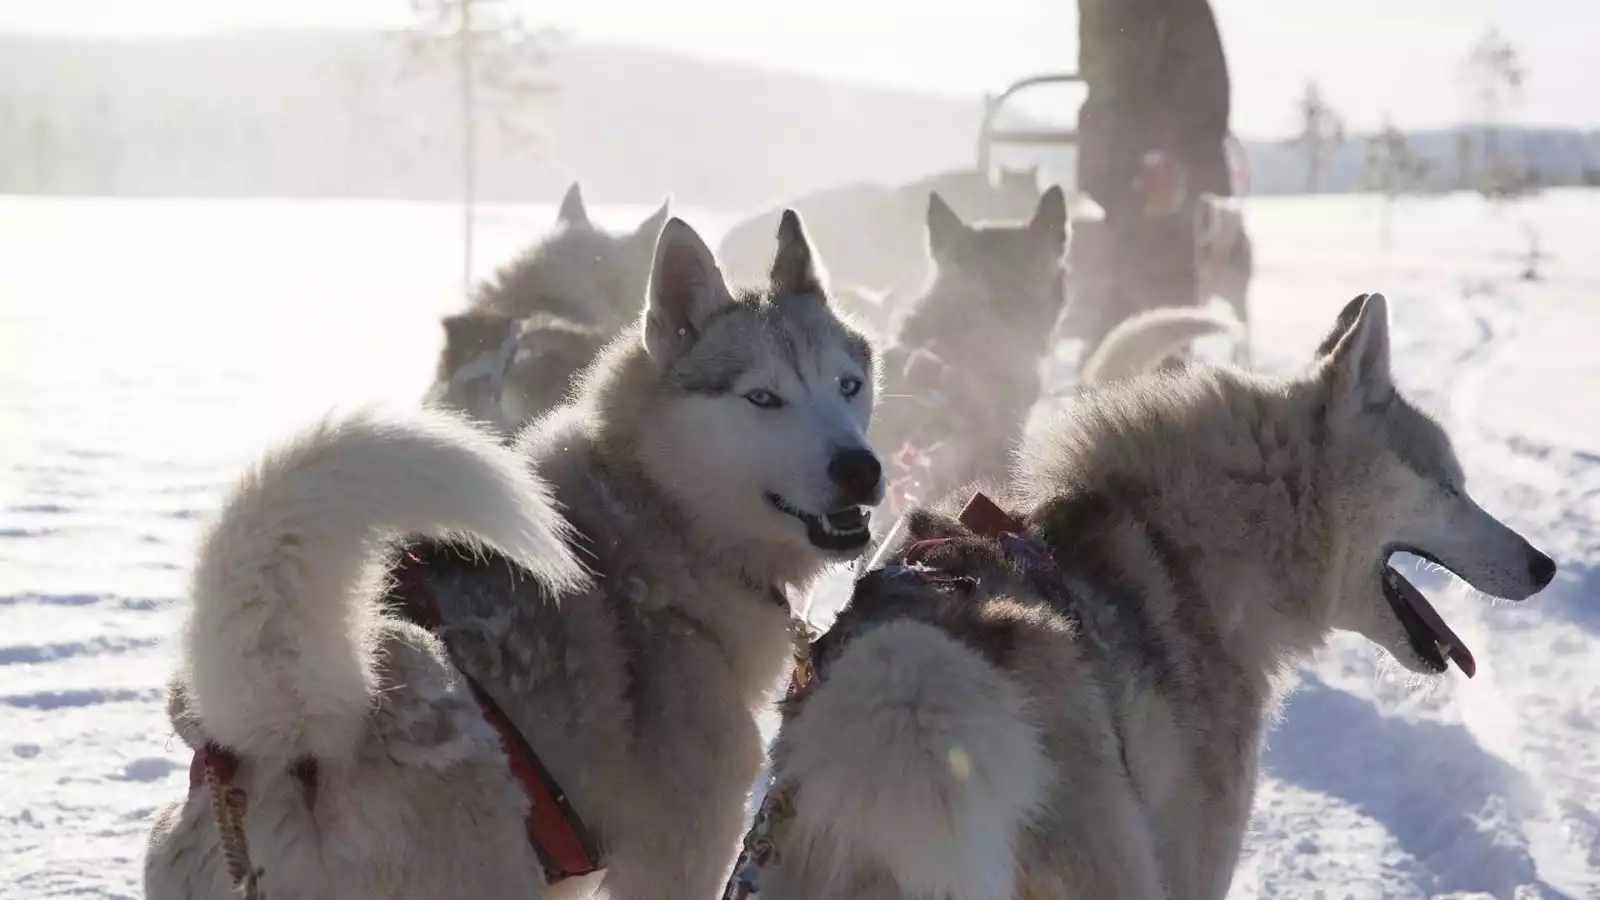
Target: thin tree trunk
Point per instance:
(468, 145)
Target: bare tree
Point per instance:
(1466, 169)
(1393, 170)
(1495, 71)
(502, 67)
(1321, 131)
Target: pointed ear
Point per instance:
(470, 334)
(572, 211)
(944, 226)
(456, 325)
(686, 287)
(1050, 219)
(476, 326)
(1354, 357)
(796, 269)
(650, 228)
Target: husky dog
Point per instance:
(505, 372)
(713, 461)
(871, 233)
(1142, 342)
(1075, 708)
(579, 272)
(552, 353)
(570, 294)
(962, 371)
(479, 348)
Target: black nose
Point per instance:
(857, 473)
(1542, 569)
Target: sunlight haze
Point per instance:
(1373, 58)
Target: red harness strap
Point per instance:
(562, 842)
(558, 836)
(987, 519)
(212, 756)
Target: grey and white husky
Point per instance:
(480, 346)
(871, 234)
(962, 370)
(565, 298)
(579, 272)
(1066, 698)
(626, 609)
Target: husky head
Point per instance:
(579, 271)
(760, 433)
(1399, 487)
(965, 356)
(1009, 273)
(478, 349)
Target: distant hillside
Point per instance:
(328, 114)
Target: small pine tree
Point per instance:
(1321, 131)
(1393, 170)
(501, 65)
(1495, 71)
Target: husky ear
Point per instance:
(650, 228)
(944, 226)
(477, 326)
(686, 287)
(1050, 219)
(1354, 357)
(572, 211)
(796, 269)
(467, 334)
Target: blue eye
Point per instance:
(849, 386)
(764, 398)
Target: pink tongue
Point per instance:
(1431, 618)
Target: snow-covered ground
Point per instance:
(148, 349)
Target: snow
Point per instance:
(149, 348)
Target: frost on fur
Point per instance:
(915, 755)
(277, 644)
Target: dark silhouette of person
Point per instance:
(1152, 133)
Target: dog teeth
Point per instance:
(1444, 649)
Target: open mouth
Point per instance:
(1431, 639)
(837, 532)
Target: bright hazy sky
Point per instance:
(1400, 58)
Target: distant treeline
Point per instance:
(331, 114)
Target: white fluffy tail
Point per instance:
(1144, 340)
(915, 755)
(278, 640)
